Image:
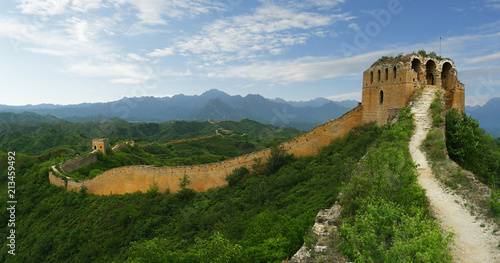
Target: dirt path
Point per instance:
(473, 243)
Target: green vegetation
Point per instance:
(471, 148)
(386, 213)
(468, 145)
(425, 54)
(263, 214)
(384, 58)
(400, 55)
(436, 110)
(76, 137)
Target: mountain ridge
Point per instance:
(487, 115)
(303, 115)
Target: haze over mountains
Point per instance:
(213, 104)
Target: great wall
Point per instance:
(388, 86)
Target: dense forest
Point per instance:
(262, 215)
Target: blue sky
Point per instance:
(75, 51)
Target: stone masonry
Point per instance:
(392, 82)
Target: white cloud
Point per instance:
(152, 12)
(79, 30)
(86, 5)
(325, 3)
(269, 29)
(119, 71)
(346, 96)
(171, 72)
(483, 58)
(162, 52)
(320, 4)
(135, 57)
(43, 7)
(301, 69)
(353, 26)
(49, 51)
(126, 81)
(493, 4)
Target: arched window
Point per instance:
(394, 71)
(430, 67)
(446, 76)
(378, 75)
(371, 77)
(415, 65)
(386, 73)
(381, 97)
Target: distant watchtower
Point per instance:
(389, 84)
(100, 145)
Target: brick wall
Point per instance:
(57, 181)
(129, 179)
(78, 162)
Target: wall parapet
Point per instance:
(79, 162)
(129, 179)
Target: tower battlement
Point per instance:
(100, 145)
(391, 83)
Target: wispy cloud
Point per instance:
(301, 69)
(270, 29)
(154, 12)
(43, 7)
(86, 5)
(494, 4)
(162, 52)
(483, 58)
(117, 72)
(126, 81)
(346, 96)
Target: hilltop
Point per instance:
(38, 138)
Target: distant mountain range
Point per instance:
(488, 116)
(213, 104)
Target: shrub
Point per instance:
(237, 175)
(384, 231)
(435, 145)
(278, 158)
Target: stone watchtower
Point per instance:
(100, 145)
(389, 84)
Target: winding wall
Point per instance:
(129, 179)
(81, 161)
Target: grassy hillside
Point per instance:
(473, 149)
(42, 137)
(261, 216)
